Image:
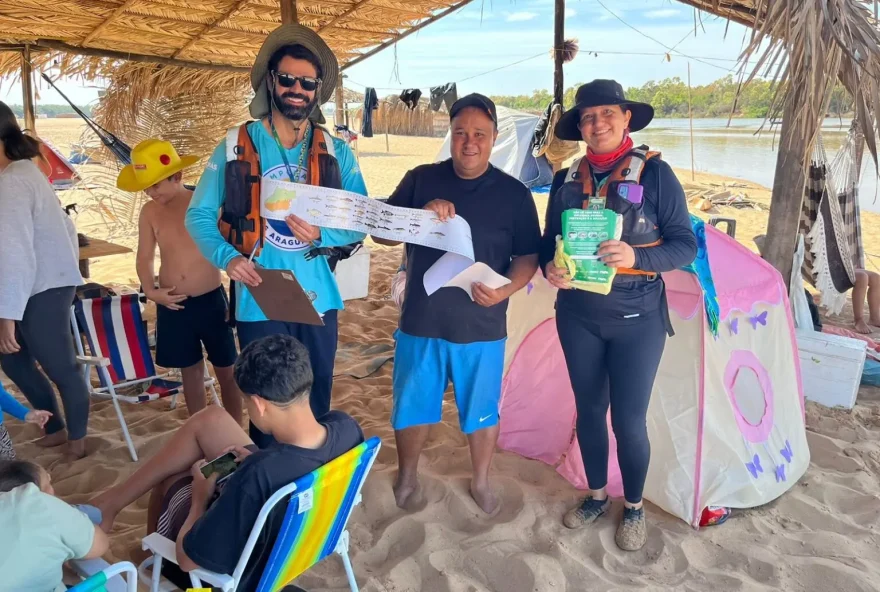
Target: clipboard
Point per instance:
(281, 298)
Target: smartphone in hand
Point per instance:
(223, 466)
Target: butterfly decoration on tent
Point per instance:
(755, 467)
(780, 473)
(786, 452)
(733, 325)
(760, 319)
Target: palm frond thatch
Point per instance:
(806, 47)
(136, 109)
(204, 32)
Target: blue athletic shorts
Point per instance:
(423, 367)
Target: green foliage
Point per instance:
(50, 110)
(669, 98)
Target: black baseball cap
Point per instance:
(481, 102)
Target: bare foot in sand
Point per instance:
(484, 496)
(408, 493)
(52, 440)
(862, 327)
(874, 323)
(108, 514)
(76, 449)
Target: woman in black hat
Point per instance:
(613, 343)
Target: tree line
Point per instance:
(50, 110)
(670, 98)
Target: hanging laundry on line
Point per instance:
(371, 102)
(410, 97)
(448, 93)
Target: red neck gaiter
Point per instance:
(602, 163)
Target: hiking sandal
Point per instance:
(632, 533)
(586, 513)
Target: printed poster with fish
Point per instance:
(335, 208)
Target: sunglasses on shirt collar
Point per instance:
(307, 83)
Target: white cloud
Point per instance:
(570, 12)
(474, 15)
(521, 16)
(662, 13)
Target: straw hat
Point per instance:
(151, 161)
(284, 35)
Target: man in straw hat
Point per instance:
(191, 306)
(293, 74)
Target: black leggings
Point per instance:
(616, 364)
(44, 335)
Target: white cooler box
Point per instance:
(831, 367)
(353, 275)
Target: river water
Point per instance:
(737, 151)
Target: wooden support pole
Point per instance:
(691, 117)
(289, 15)
(339, 118)
(27, 91)
(787, 198)
(558, 41)
(136, 57)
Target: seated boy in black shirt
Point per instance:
(211, 523)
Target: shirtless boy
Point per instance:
(191, 306)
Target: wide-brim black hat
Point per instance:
(596, 94)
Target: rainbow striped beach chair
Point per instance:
(117, 339)
(314, 526)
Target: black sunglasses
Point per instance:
(307, 83)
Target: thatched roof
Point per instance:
(802, 44)
(219, 33)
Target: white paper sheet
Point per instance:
(335, 208)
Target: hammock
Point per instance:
(830, 223)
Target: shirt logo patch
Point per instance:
(277, 232)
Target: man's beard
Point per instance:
(291, 112)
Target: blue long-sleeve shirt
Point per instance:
(280, 249)
(8, 404)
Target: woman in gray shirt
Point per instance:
(38, 275)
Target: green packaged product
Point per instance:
(582, 233)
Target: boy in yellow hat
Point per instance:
(191, 305)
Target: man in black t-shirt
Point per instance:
(447, 335)
(211, 523)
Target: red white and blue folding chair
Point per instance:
(117, 340)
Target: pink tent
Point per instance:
(725, 429)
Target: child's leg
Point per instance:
(860, 290)
(7, 452)
(217, 337)
(194, 387)
(205, 435)
(873, 297)
(229, 392)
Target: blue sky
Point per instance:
(493, 34)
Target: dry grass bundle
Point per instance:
(394, 117)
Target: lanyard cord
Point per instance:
(302, 152)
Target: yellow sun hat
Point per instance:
(152, 161)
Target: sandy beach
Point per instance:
(824, 534)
